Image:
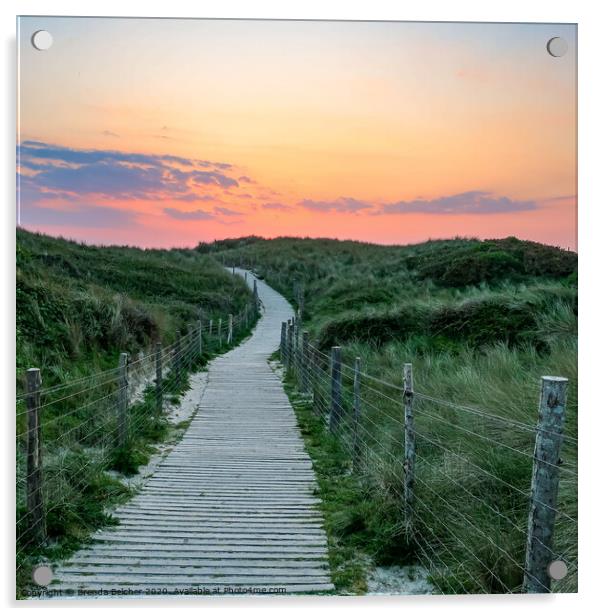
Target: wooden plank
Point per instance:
(222, 533)
(196, 571)
(210, 539)
(193, 516)
(165, 551)
(178, 561)
(239, 579)
(260, 527)
(209, 509)
(231, 507)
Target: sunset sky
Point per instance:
(170, 132)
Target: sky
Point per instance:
(167, 132)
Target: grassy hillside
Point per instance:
(481, 322)
(78, 307)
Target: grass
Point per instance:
(481, 322)
(78, 307)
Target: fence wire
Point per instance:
(472, 476)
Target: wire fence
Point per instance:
(69, 435)
(486, 502)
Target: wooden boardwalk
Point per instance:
(232, 507)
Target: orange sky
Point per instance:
(168, 132)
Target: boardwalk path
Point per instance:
(232, 505)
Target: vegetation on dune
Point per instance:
(78, 304)
(481, 322)
(510, 316)
(78, 307)
(492, 260)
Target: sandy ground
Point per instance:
(394, 580)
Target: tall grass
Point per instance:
(473, 473)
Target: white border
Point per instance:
(590, 203)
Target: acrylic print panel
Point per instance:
(296, 308)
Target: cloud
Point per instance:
(211, 177)
(276, 206)
(192, 197)
(201, 214)
(83, 216)
(227, 211)
(116, 174)
(194, 215)
(571, 199)
(30, 193)
(342, 204)
(75, 156)
(109, 133)
(103, 178)
(470, 202)
(246, 179)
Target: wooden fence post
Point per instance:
(255, 294)
(299, 344)
(335, 389)
(282, 342)
(246, 316)
(219, 332)
(291, 349)
(357, 413)
(123, 399)
(544, 484)
(289, 343)
(233, 270)
(159, 377)
(409, 463)
(210, 329)
(313, 379)
(230, 329)
(35, 498)
(295, 353)
(304, 363)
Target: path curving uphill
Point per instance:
(231, 509)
